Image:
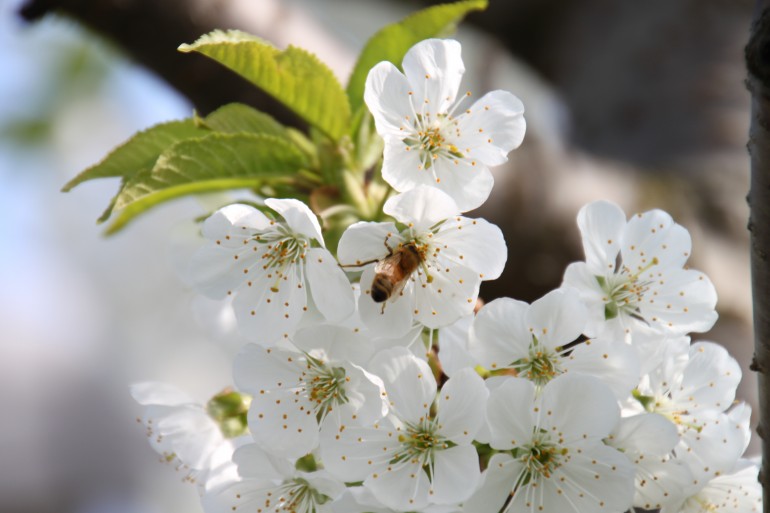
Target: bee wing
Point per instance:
(397, 288)
(391, 267)
(388, 265)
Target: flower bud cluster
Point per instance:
(374, 383)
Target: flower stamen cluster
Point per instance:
(541, 365)
(541, 457)
(420, 442)
(625, 290)
(325, 386)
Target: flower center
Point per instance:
(297, 496)
(419, 442)
(665, 406)
(624, 291)
(325, 386)
(281, 249)
(705, 504)
(431, 138)
(541, 365)
(541, 457)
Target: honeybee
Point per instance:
(392, 272)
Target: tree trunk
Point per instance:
(758, 64)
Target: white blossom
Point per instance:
(536, 341)
(736, 491)
(184, 434)
(454, 342)
(648, 440)
(429, 138)
(553, 457)
(413, 458)
(690, 379)
(451, 256)
(272, 485)
(295, 391)
(692, 386)
(634, 275)
(277, 269)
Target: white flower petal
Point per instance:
(710, 379)
(189, 431)
(386, 93)
(329, 285)
(685, 302)
(510, 413)
(155, 392)
(231, 220)
(284, 423)
(240, 495)
(497, 483)
(568, 398)
(270, 308)
(423, 206)
(402, 166)
(499, 336)
(256, 463)
(408, 381)
(654, 234)
(579, 276)
(331, 343)
(493, 126)
(403, 487)
(615, 363)
(257, 370)
(366, 398)
(353, 453)
(467, 182)
(367, 242)
(462, 402)
(324, 483)
(281, 419)
(601, 226)
(215, 272)
(475, 243)
(660, 482)
(557, 318)
(740, 417)
(453, 343)
(649, 434)
(714, 447)
(298, 216)
(739, 490)
(434, 69)
(456, 474)
(449, 295)
(603, 475)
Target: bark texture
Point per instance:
(758, 64)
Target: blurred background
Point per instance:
(643, 105)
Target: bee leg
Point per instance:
(360, 264)
(390, 250)
(374, 260)
(382, 311)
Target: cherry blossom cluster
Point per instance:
(374, 381)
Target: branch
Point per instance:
(150, 32)
(758, 64)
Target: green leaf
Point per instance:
(293, 76)
(392, 42)
(236, 117)
(139, 152)
(212, 163)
